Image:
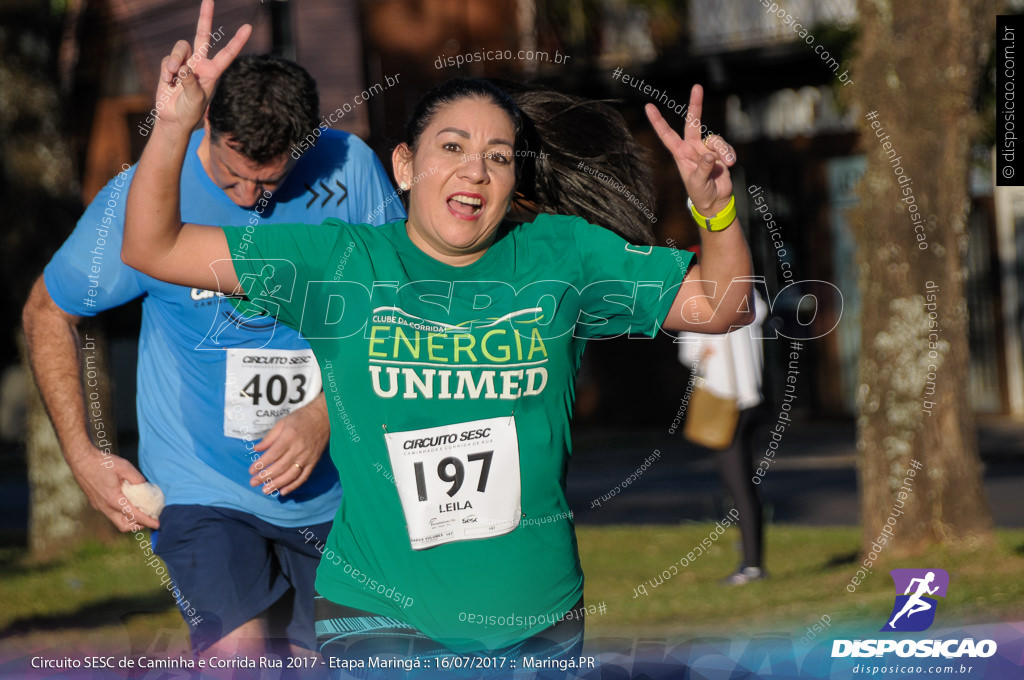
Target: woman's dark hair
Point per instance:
(456, 89)
(574, 156)
(266, 104)
(591, 166)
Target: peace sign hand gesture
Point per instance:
(188, 74)
(703, 164)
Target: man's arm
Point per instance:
(54, 354)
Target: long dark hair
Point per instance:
(574, 156)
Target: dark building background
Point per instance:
(770, 93)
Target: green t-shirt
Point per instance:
(450, 392)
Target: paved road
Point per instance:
(812, 481)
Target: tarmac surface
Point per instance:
(812, 480)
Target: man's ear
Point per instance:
(401, 164)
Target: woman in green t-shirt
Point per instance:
(449, 343)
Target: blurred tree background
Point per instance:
(75, 71)
(39, 176)
(919, 64)
(918, 68)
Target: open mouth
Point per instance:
(465, 206)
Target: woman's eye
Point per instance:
(451, 146)
(501, 158)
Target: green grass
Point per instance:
(109, 596)
(810, 569)
(103, 595)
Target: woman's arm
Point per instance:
(716, 294)
(155, 241)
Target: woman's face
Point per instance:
(461, 177)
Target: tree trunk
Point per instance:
(916, 73)
(37, 176)
(60, 517)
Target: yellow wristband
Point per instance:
(718, 222)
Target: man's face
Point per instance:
(242, 179)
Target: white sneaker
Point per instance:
(745, 575)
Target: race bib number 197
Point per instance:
(264, 385)
(457, 482)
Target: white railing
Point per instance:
(722, 25)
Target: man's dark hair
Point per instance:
(266, 105)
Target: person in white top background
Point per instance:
(731, 366)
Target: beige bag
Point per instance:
(710, 419)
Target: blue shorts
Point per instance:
(229, 567)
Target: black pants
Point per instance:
(736, 467)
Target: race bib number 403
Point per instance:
(264, 385)
(457, 482)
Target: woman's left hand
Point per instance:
(703, 163)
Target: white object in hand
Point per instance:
(146, 497)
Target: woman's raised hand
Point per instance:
(189, 74)
(703, 163)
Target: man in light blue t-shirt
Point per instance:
(232, 419)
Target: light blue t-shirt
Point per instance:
(211, 382)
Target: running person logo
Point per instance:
(914, 610)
